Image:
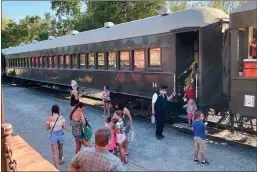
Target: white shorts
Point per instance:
(120, 138)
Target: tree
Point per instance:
(178, 6)
(99, 12)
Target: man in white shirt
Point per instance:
(160, 108)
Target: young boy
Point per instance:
(200, 132)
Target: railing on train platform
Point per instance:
(8, 163)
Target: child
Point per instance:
(111, 125)
(191, 108)
(200, 132)
(190, 92)
(120, 135)
(106, 99)
(107, 120)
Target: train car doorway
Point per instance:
(187, 53)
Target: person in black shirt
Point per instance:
(160, 109)
(74, 94)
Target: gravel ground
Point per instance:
(27, 111)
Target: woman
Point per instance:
(77, 122)
(106, 100)
(120, 135)
(57, 124)
(74, 94)
(128, 121)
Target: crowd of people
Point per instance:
(111, 141)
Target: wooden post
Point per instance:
(2, 109)
(8, 164)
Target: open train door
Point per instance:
(210, 65)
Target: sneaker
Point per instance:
(195, 161)
(205, 163)
(62, 161)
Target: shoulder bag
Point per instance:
(87, 130)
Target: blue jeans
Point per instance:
(57, 137)
(127, 129)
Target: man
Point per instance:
(97, 158)
(160, 108)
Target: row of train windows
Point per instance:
(90, 60)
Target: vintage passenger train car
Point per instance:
(135, 58)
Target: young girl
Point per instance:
(191, 108)
(106, 99)
(120, 135)
(111, 123)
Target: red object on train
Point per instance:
(250, 68)
(190, 93)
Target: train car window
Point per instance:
(32, 62)
(82, 61)
(41, 63)
(100, 60)
(139, 59)
(155, 57)
(50, 61)
(36, 62)
(29, 59)
(91, 60)
(112, 59)
(55, 62)
(74, 61)
(22, 62)
(61, 61)
(45, 62)
(67, 62)
(124, 59)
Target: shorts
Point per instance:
(127, 129)
(78, 138)
(199, 144)
(120, 138)
(190, 116)
(57, 137)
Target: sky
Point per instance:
(17, 10)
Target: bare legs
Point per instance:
(189, 122)
(201, 153)
(55, 155)
(60, 149)
(106, 107)
(126, 145)
(122, 153)
(78, 146)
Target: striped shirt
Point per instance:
(93, 159)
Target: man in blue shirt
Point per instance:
(200, 132)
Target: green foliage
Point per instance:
(68, 17)
(178, 6)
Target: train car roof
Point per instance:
(194, 17)
(247, 6)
